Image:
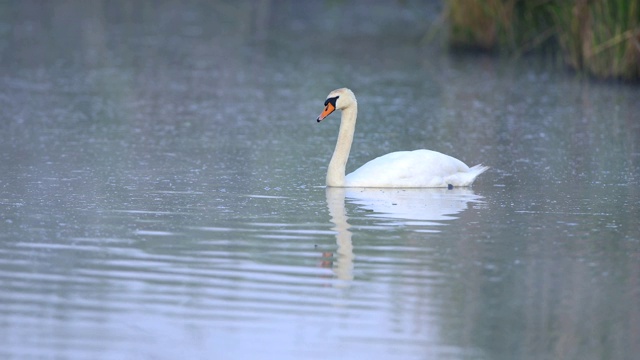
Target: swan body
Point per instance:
(402, 169)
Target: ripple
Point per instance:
(154, 233)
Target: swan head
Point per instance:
(338, 99)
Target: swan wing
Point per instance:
(419, 168)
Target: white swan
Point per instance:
(402, 169)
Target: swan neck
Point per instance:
(338, 164)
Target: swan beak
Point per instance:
(327, 111)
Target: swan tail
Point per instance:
(478, 169)
(474, 172)
(465, 178)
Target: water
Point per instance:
(161, 190)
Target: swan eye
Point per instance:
(331, 101)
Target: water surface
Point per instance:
(161, 190)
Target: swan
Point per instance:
(402, 169)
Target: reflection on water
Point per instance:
(343, 266)
(424, 206)
(159, 198)
(424, 209)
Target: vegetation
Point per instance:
(601, 37)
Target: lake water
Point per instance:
(162, 190)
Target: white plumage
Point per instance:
(402, 169)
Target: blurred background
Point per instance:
(162, 180)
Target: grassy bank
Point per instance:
(600, 37)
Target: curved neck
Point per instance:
(336, 171)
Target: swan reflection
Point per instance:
(424, 207)
(343, 264)
(413, 206)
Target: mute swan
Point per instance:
(402, 169)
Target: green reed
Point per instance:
(601, 37)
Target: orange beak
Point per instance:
(327, 111)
